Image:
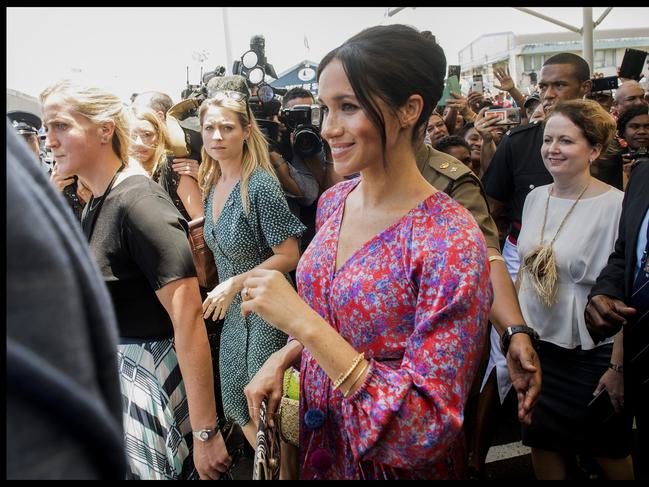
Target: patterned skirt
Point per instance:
(157, 431)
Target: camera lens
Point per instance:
(307, 142)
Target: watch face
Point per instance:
(205, 435)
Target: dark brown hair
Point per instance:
(392, 63)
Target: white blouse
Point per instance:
(581, 250)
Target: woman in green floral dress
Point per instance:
(248, 225)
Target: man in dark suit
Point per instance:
(620, 298)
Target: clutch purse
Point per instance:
(202, 255)
(289, 407)
(267, 453)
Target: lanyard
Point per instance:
(90, 216)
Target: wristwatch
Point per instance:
(510, 331)
(205, 434)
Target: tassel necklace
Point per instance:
(541, 264)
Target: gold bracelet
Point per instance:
(496, 257)
(343, 377)
(346, 393)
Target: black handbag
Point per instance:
(202, 255)
(235, 442)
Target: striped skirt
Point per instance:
(156, 416)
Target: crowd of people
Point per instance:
(422, 268)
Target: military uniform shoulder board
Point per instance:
(523, 128)
(450, 168)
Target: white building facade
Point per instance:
(525, 54)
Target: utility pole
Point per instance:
(226, 33)
(587, 31)
(587, 36)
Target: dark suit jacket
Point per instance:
(616, 279)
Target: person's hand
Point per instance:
(605, 316)
(505, 80)
(59, 181)
(525, 372)
(186, 167)
(460, 103)
(211, 457)
(613, 382)
(218, 300)
(266, 384)
(270, 295)
(486, 126)
(475, 99)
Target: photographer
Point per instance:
(633, 127)
(301, 154)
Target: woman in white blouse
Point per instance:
(568, 231)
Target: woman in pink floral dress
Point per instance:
(394, 289)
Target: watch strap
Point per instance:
(510, 331)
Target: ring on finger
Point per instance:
(246, 295)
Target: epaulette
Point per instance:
(450, 167)
(523, 128)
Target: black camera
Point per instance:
(604, 84)
(304, 122)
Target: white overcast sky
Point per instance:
(129, 50)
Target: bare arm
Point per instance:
(190, 194)
(315, 166)
(284, 259)
(613, 380)
(284, 176)
(485, 126)
(522, 361)
(181, 299)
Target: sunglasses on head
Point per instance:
(233, 95)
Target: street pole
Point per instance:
(226, 33)
(587, 36)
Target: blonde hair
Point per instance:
(98, 106)
(255, 150)
(161, 152)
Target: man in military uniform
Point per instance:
(449, 175)
(27, 125)
(517, 167)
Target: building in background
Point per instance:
(525, 54)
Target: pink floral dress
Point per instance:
(415, 299)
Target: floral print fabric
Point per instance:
(415, 299)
